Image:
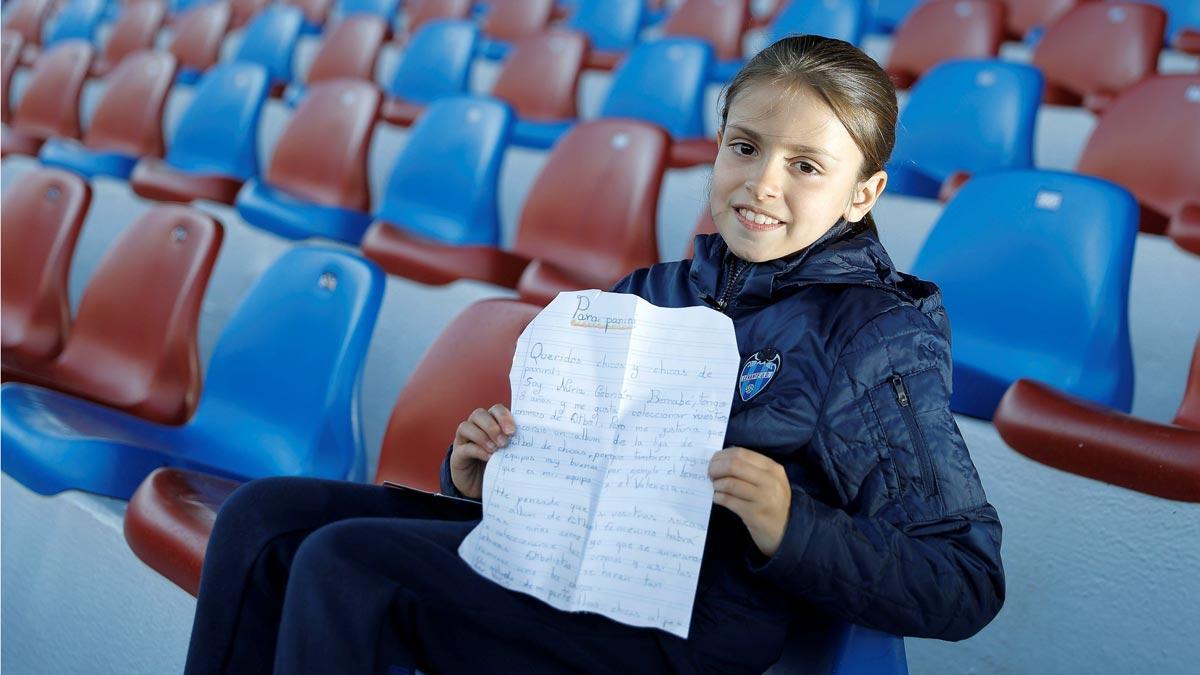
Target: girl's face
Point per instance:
(787, 170)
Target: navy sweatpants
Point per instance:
(314, 576)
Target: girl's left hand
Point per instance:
(756, 488)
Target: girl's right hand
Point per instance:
(477, 439)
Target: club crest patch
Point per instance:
(758, 373)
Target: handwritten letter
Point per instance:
(600, 502)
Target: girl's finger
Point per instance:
(739, 466)
(469, 432)
(505, 417)
(738, 488)
(484, 420)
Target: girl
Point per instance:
(846, 491)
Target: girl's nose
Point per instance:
(764, 184)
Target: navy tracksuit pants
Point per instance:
(314, 576)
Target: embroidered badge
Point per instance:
(757, 373)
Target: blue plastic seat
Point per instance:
(443, 185)
(215, 146)
(887, 14)
(384, 9)
(270, 41)
(78, 20)
(1034, 268)
(1181, 14)
(841, 19)
(612, 28)
(819, 646)
(965, 116)
(280, 396)
(436, 63)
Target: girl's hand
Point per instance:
(756, 488)
(477, 439)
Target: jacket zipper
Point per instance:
(722, 300)
(910, 421)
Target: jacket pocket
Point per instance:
(898, 405)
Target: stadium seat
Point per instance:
(720, 23)
(942, 30)
(443, 185)
(348, 50)
(962, 118)
(50, 105)
(196, 39)
(215, 147)
(27, 18)
(887, 15)
(11, 43)
(43, 214)
(1161, 169)
(1097, 50)
(74, 20)
(566, 238)
(436, 63)
(270, 41)
(508, 21)
(842, 19)
(663, 82)
(242, 11)
(133, 344)
(385, 10)
(170, 517)
(1028, 19)
(1081, 437)
(540, 80)
(261, 413)
(127, 123)
(316, 13)
(420, 13)
(1184, 228)
(136, 29)
(316, 184)
(1183, 24)
(1034, 268)
(612, 28)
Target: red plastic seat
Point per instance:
(349, 50)
(133, 343)
(1026, 15)
(50, 105)
(1097, 50)
(135, 30)
(1161, 169)
(721, 23)
(511, 20)
(43, 214)
(704, 225)
(421, 12)
(540, 77)
(170, 517)
(198, 34)
(128, 116)
(11, 43)
(242, 11)
(27, 18)
(941, 30)
(568, 238)
(1089, 440)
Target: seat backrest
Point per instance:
(43, 214)
(77, 20)
(1158, 168)
(287, 365)
(1101, 48)
(321, 155)
(133, 344)
(270, 41)
(241, 12)
(603, 231)
(886, 15)
(422, 12)
(11, 45)
(444, 183)
(540, 77)
(316, 12)
(663, 82)
(941, 30)
(970, 115)
(349, 49)
(1034, 270)
(720, 23)
(198, 35)
(136, 29)
(1188, 414)
(129, 115)
(436, 63)
(218, 133)
(476, 348)
(26, 17)
(515, 19)
(609, 24)
(50, 105)
(841, 19)
(1023, 16)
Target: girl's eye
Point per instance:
(744, 149)
(805, 167)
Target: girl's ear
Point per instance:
(866, 193)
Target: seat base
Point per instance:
(14, 142)
(1184, 228)
(400, 112)
(493, 50)
(912, 182)
(691, 152)
(156, 179)
(72, 155)
(276, 211)
(430, 262)
(539, 135)
(601, 59)
(542, 281)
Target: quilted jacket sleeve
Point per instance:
(912, 547)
